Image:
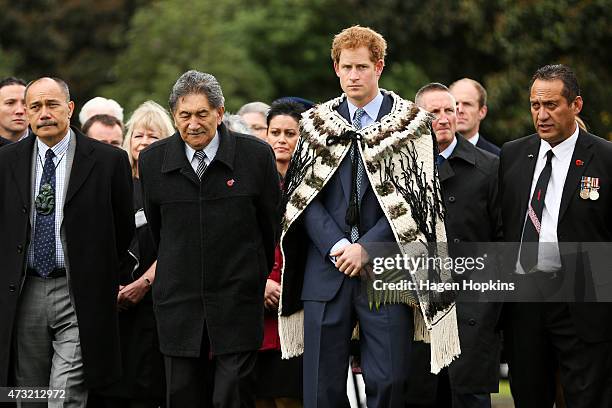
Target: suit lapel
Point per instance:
(385, 107)
(82, 164)
(176, 159)
(22, 168)
(574, 173)
(526, 164)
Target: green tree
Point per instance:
(75, 40)
(198, 35)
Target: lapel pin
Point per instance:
(530, 156)
(230, 182)
(579, 163)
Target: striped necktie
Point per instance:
(201, 156)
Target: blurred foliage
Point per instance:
(133, 50)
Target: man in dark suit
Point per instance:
(211, 199)
(335, 231)
(468, 176)
(13, 122)
(555, 195)
(471, 99)
(66, 217)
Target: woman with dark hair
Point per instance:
(279, 382)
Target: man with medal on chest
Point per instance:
(556, 200)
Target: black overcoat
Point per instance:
(470, 190)
(215, 242)
(98, 225)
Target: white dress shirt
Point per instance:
(210, 150)
(549, 259)
(449, 149)
(59, 160)
(474, 139)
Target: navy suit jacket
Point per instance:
(484, 144)
(324, 222)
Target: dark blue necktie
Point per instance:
(439, 159)
(44, 230)
(357, 183)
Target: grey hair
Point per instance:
(254, 107)
(430, 87)
(196, 82)
(235, 123)
(99, 105)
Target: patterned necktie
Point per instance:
(201, 164)
(360, 170)
(44, 228)
(531, 232)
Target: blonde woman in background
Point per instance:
(142, 384)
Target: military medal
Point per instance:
(594, 194)
(585, 187)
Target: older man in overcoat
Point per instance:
(211, 198)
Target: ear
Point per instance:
(577, 105)
(482, 112)
(378, 67)
(220, 112)
(337, 69)
(70, 109)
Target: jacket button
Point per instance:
(24, 210)
(12, 288)
(19, 249)
(451, 199)
(472, 322)
(456, 240)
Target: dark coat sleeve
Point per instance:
(122, 201)
(151, 208)
(268, 204)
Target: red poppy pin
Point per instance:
(579, 163)
(230, 182)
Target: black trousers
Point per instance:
(226, 381)
(541, 338)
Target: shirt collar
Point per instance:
(24, 135)
(474, 139)
(563, 149)
(449, 150)
(59, 149)
(371, 108)
(210, 149)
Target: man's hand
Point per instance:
(350, 259)
(272, 294)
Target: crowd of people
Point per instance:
(195, 258)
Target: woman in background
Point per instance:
(142, 383)
(279, 382)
